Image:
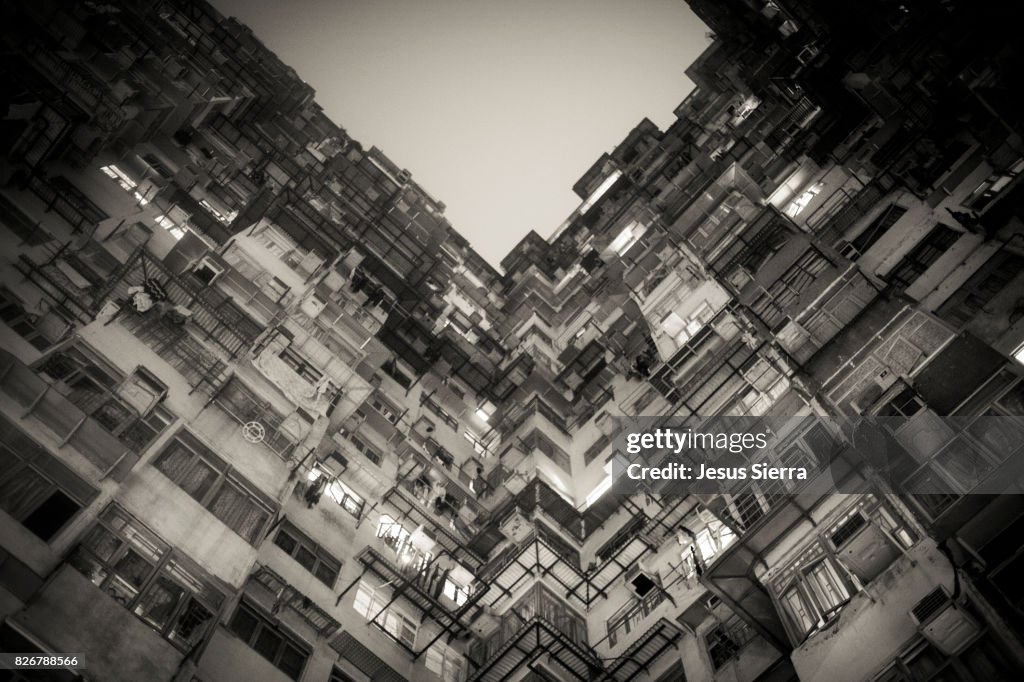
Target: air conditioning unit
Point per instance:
(485, 623)
(312, 306)
(863, 547)
(422, 540)
(943, 623)
(516, 527)
(142, 390)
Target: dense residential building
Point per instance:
(264, 414)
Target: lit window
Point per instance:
(602, 487)
(456, 593)
(122, 178)
(346, 497)
(1018, 354)
(486, 411)
(445, 662)
(372, 604)
(173, 228)
(629, 236)
(599, 192)
(800, 203)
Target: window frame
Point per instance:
(85, 369)
(265, 622)
(321, 557)
(118, 524)
(224, 475)
(378, 606)
(34, 458)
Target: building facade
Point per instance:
(264, 414)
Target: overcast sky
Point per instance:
(496, 107)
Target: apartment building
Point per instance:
(265, 414)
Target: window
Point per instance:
(923, 256)
(308, 554)
(23, 323)
(363, 448)
(721, 647)
(797, 206)
(343, 495)
(385, 410)
(300, 365)
(126, 407)
(983, 195)
(157, 165)
(873, 232)
(372, 605)
(399, 539)
(629, 617)
(172, 227)
(36, 489)
(445, 662)
(125, 181)
(215, 485)
(984, 659)
(725, 640)
(144, 574)
(997, 275)
(457, 593)
(287, 652)
(906, 403)
(813, 591)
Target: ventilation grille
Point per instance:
(932, 603)
(848, 529)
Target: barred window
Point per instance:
(215, 485)
(164, 588)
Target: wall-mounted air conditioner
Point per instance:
(516, 527)
(943, 623)
(863, 547)
(312, 306)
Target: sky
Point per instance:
(495, 107)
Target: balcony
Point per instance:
(72, 614)
(68, 423)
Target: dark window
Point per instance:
(35, 488)
(721, 646)
(308, 554)
(991, 279)
(866, 239)
(288, 653)
(215, 485)
(15, 316)
(144, 574)
(923, 256)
